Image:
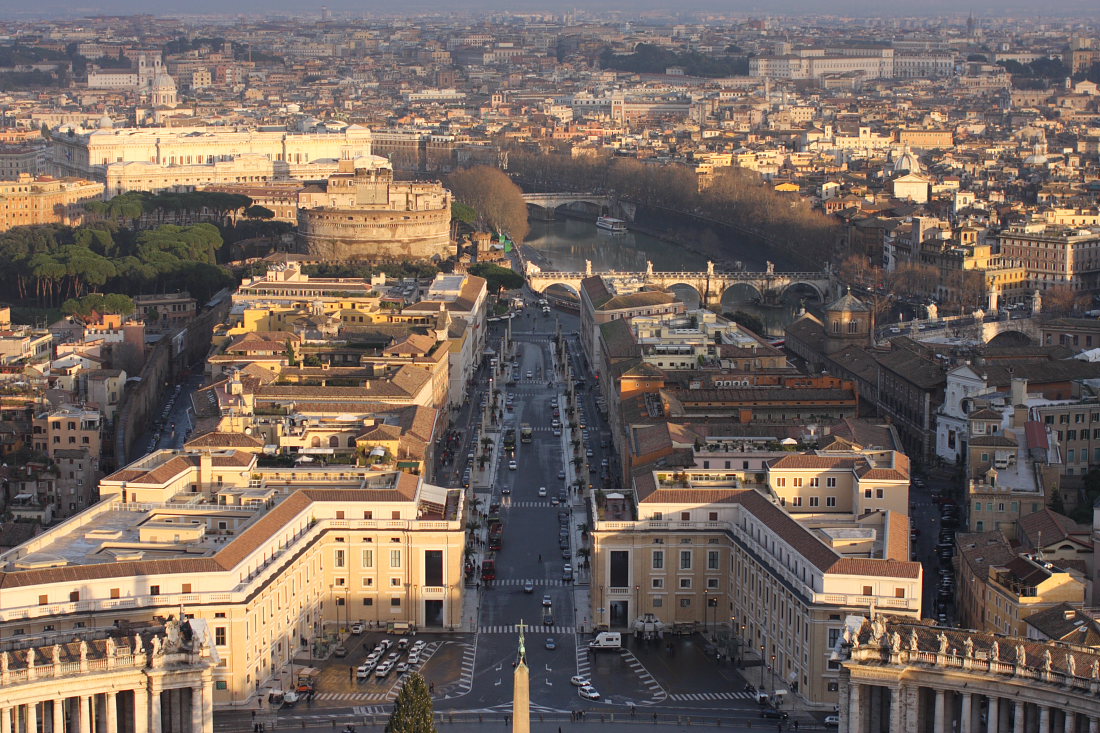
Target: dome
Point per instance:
(163, 82)
(907, 162)
(847, 303)
(105, 122)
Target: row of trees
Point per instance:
(651, 59)
(49, 264)
(734, 196)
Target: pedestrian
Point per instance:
(431, 687)
(654, 718)
(253, 715)
(351, 673)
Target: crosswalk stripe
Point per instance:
(537, 581)
(529, 630)
(709, 696)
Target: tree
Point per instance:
(496, 199)
(498, 277)
(413, 710)
(259, 212)
(1062, 299)
(748, 320)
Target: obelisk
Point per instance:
(521, 694)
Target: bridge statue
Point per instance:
(588, 268)
(770, 267)
(1036, 302)
(648, 268)
(710, 269)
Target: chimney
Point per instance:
(1019, 391)
(206, 463)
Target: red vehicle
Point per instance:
(489, 570)
(496, 534)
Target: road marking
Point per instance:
(529, 630)
(703, 696)
(657, 693)
(536, 581)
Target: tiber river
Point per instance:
(565, 244)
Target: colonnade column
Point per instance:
(965, 713)
(1071, 719)
(110, 703)
(897, 707)
(993, 714)
(5, 720)
(154, 708)
(141, 710)
(1094, 725)
(1018, 717)
(59, 715)
(84, 714)
(1044, 719)
(196, 709)
(32, 717)
(874, 708)
(855, 708)
(207, 705)
(937, 721)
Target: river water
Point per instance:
(565, 245)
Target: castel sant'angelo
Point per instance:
(362, 213)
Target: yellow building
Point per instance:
(269, 559)
(44, 200)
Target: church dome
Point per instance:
(164, 82)
(105, 122)
(847, 303)
(907, 162)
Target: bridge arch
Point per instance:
(562, 285)
(741, 292)
(802, 284)
(687, 293)
(1011, 337)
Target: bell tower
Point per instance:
(847, 322)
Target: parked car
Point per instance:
(832, 721)
(579, 680)
(357, 628)
(340, 651)
(773, 714)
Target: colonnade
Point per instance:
(909, 706)
(150, 710)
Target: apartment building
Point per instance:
(736, 555)
(1000, 587)
(1054, 255)
(272, 560)
(600, 304)
(44, 200)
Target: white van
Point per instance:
(607, 640)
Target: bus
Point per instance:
(510, 439)
(525, 433)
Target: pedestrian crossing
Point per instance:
(352, 696)
(531, 504)
(539, 582)
(655, 690)
(371, 710)
(527, 630)
(709, 696)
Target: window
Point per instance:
(341, 559)
(980, 526)
(797, 482)
(685, 516)
(395, 514)
(834, 635)
(815, 501)
(781, 482)
(395, 558)
(433, 567)
(834, 687)
(796, 501)
(368, 582)
(154, 590)
(658, 559)
(619, 566)
(116, 593)
(977, 506)
(221, 685)
(43, 600)
(815, 482)
(685, 603)
(712, 559)
(395, 602)
(712, 584)
(339, 514)
(368, 515)
(368, 601)
(899, 593)
(395, 582)
(658, 582)
(219, 636)
(712, 517)
(186, 588)
(830, 501)
(685, 559)
(880, 493)
(658, 602)
(866, 493)
(867, 590)
(368, 558)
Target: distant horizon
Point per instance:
(350, 9)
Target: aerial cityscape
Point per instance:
(549, 367)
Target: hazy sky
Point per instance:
(360, 7)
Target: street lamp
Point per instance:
(706, 612)
(771, 673)
(761, 667)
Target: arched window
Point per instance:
(853, 326)
(334, 441)
(351, 442)
(836, 326)
(316, 442)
